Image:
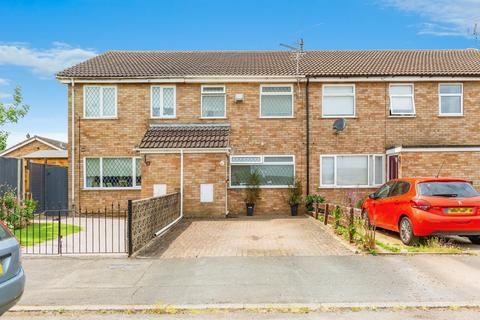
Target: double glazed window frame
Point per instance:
(368, 155)
(224, 94)
(353, 94)
(260, 162)
(276, 94)
(440, 95)
(101, 116)
(412, 96)
(162, 116)
(101, 187)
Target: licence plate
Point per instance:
(459, 210)
(1, 269)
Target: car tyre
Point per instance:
(474, 239)
(406, 232)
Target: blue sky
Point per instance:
(38, 38)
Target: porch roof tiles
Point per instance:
(186, 136)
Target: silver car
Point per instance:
(12, 277)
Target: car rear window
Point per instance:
(452, 189)
(4, 234)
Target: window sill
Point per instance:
(100, 118)
(401, 117)
(261, 187)
(163, 118)
(210, 118)
(289, 117)
(111, 189)
(450, 115)
(349, 187)
(338, 117)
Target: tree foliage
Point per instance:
(11, 113)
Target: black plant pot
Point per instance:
(294, 209)
(250, 207)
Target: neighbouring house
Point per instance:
(38, 149)
(150, 123)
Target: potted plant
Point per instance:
(311, 203)
(295, 196)
(252, 191)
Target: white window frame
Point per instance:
(134, 174)
(101, 102)
(371, 184)
(262, 162)
(440, 95)
(277, 94)
(162, 116)
(224, 94)
(353, 94)
(412, 96)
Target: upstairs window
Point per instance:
(352, 170)
(276, 101)
(213, 102)
(163, 102)
(100, 102)
(451, 99)
(402, 102)
(338, 101)
(275, 171)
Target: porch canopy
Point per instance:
(164, 137)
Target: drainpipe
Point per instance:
(181, 183)
(73, 145)
(307, 134)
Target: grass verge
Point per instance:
(37, 233)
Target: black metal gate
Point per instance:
(11, 175)
(79, 231)
(48, 186)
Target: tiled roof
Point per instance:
(145, 64)
(172, 136)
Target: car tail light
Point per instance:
(420, 204)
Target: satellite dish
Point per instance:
(339, 125)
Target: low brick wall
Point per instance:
(151, 215)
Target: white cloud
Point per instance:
(445, 17)
(5, 95)
(43, 62)
(3, 82)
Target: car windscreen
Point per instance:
(4, 234)
(449, 189)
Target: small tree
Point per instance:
(295, 193)
(11, 113)
(252, 192)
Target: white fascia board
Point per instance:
(179, 150)
(391, 79)
(191, 79)
(432, 149)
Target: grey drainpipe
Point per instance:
(308, 134)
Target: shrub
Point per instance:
(252, 191)
(16, 213)
(295, 193)
(312, 199)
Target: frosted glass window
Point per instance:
(338, 101)
(213, 102)
(352, 170)
(328, 171)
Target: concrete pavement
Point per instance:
(253, 281)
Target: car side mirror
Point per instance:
(372, 196)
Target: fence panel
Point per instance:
(48, 186)
(61, 231)
(150, 216)
(11, 175)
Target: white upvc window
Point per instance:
(163, 101)
(352, 171)
(99, 102)
(213, 102)
(450, 99)
(112, 173)
(402, 100)
(276, 171)
(338, 100)
(276, 101)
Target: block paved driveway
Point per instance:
(247, 236)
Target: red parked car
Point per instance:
(419, 207)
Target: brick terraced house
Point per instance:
(149, 123)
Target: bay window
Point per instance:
(276, 101)
(111, 172)
(352, 170)
(275, 171)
